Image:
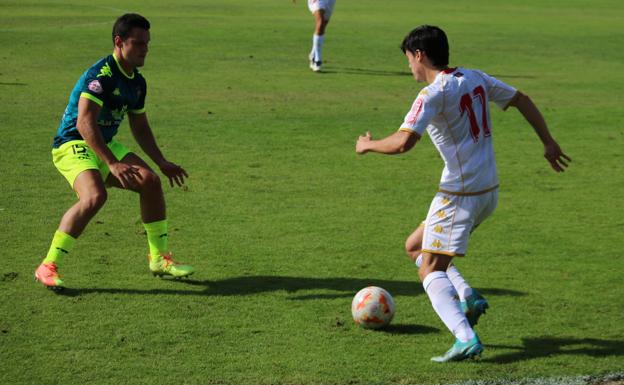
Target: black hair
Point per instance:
(430, 39)
(124, 24)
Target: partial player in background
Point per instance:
(454, 111)
(86, 154)
(322, 11)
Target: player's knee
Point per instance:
(94, 200)
(321, 27)
(412, 251)
(412, 254)
(150, 180)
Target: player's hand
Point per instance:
(174, 172)
(556, 157)
(126, 174)
(361, 147)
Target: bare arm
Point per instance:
(144, 136)
(552, 151)
(86, 124)
(396, 143)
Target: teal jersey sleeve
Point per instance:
(116, 92)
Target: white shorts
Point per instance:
(326, 5)
(452, 218)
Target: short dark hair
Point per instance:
(124, 24)
(430, 39)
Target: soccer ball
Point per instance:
(372, 307)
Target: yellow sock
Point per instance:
(157, 237)
(61, 244)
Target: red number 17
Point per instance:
(465, 105)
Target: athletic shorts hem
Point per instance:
(449, 253)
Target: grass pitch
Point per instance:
(285, 223)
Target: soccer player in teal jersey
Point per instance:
(87, 155)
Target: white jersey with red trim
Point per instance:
(454, 110)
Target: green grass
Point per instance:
(285, 223)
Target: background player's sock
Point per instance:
(157, 237)
(62, 244)
(317, 46)
(445, 302)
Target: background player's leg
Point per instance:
(318, 39)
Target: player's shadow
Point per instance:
(340, 287)
(343, 287)
(545, 346)
(364, 71)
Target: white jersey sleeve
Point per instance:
(428, 104)
(497, 91)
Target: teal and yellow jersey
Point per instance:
(106, 84)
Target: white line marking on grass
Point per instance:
(592, 379)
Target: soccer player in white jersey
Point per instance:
(322, 11)
(454, 111)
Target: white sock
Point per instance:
(459, 283)
(444, 300)
(317, 46)
(463, 289)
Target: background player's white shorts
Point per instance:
(452, 218)
(326, 5)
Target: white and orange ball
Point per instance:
(372, 307)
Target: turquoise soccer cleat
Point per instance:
(461, 351)
(474, 307)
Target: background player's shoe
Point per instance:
(314, 65)
(474, 306)
(461, 351)
(165, 265)
(46, 274)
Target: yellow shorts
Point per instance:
(75, 156)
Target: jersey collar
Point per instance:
(448, 70)
(121, 68)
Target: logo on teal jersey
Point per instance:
(105, 71)
(119, 114)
